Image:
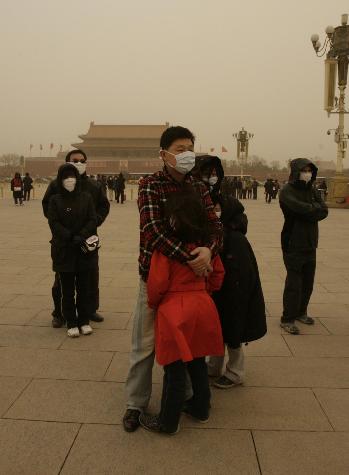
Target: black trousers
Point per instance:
(18, 196)
(27, 195)
(93, 293)
(299, 284)
(249, 194)
(120, 194)
(173, 392)
(254, 193)
(268, 197)
(75, 311)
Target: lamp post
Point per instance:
(336, 45)
(242, 137)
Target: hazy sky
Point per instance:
(212, 66)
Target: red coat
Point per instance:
(187, 324)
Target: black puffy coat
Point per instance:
(302, 207)
(71, 214)
(240, 301)
(204, 165)
(92, 187)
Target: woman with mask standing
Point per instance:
(72, 219)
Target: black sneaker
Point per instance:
(96, 317)
(152, 423)
(58, 322)
(225, 383)
(130, 420)
(188, 411)
(305, 319)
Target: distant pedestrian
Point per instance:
(240, 301)
(239, 188)
(234, 187)
(120, 189)
(17, 189)
(302, 207)
(276, 188)
(249, 188)
(254, 188)
(110, 186)
(268, 190)
(27, 186)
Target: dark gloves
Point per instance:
(77, 240)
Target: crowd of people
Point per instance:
(200, 296)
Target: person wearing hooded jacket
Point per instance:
(240, 301)
(17, 189)
(303, 208)
(209, 169)
(72, 219)
(78, 158)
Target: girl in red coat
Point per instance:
(187, 326)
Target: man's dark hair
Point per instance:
(69, 154)
(175, 133)
(186, 213)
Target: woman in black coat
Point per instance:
(240, 301)
(72, 219)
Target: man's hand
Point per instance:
(201, 265)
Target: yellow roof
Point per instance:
(124, 131)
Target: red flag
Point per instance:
(224, 149)
(211, 150)
(51, 146)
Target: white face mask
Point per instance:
(213, 180)
(185, 162)
(69, 184)
(218, 214)
(81, 167)
(305, 176)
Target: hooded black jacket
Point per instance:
(302, 207)
(93, 187)
(204, 166)
(240, 301)
(71, 214)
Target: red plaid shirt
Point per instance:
(155, 232)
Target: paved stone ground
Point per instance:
(61, 400)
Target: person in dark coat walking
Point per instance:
(27, 186)
(254, 188)
(303, 208)
(234, 187)
(17, 189)
(269, 190)
(111, 187)
(239, 188)
(120, 188)
(240, 301)
(78, 158)
(72, 219)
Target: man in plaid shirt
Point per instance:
(177, 144)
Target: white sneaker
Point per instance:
(73, 332)
(86, 330)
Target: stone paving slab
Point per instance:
(270, 345)
(101, 340)
(206, 452)
(40, 448)
(21, 316)
(31, 337)
(10, 389)
(62, 364)
(297, 372)
(335, 403)
(70, 401)
(309, 453)
(336, 326)
(318, 345)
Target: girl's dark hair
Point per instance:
(187, 215)
(72, 152)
